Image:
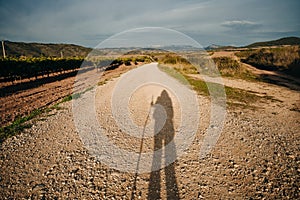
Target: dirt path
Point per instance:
(257, 154)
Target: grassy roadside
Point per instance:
(226, 66)
(22, 123)
(235, 96)
(232, 68)
(284, 59)
(18, 125)
(174, 73)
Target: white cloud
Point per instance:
(238, 23)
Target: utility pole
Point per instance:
(3, 50)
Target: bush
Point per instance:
(224, 63)
(281, 58)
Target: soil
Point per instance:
(256, 156)
(23, 97)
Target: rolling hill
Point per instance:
(17, 49)
(281, 41)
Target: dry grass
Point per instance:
(286, 59)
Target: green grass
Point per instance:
(21, 123)
(205, 88)
(18, 125)
(75, 95)
(173, 73)
(198, 85)
(241, 95)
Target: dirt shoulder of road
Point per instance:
(256, 156)
(23, 98)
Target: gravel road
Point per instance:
(256, 156)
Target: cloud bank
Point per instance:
(90, 22)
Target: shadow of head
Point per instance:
(165, 100)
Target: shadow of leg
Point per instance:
(154, 186)
(171, 183)
(164, 137)
(155, 178)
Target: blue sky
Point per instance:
(87, 23)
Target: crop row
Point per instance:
(17, 69)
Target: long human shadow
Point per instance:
(162, 138)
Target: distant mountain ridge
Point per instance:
(281, 41)
(17, 49)
(213, 46)
(218, 47)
